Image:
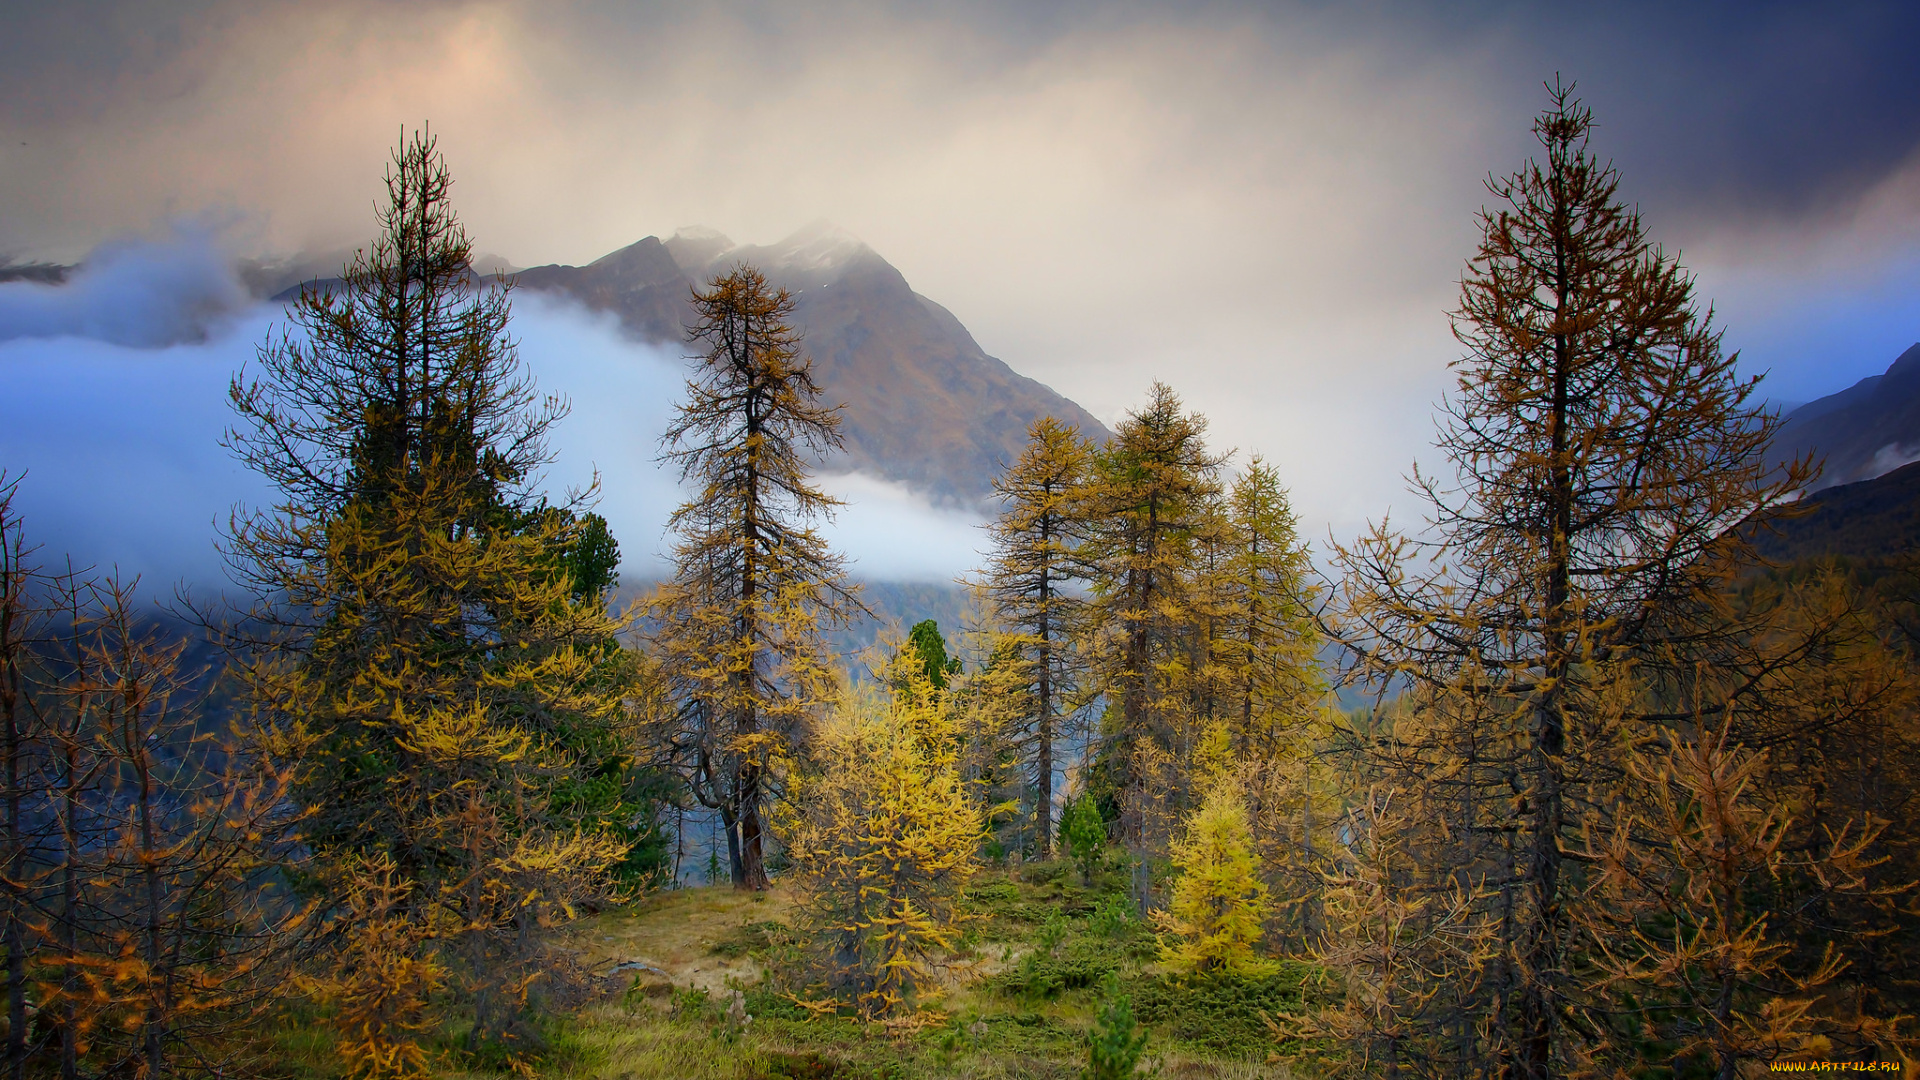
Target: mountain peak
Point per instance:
(814, 253)
(1907, 364)
(1862, 431)
(695, 247)
(818, 245)
(925, 405)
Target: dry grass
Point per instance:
(674, 933)
(638, 1035)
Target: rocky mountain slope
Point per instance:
(1864, 431)
(925, 405)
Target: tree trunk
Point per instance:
(751, 871)
(1043, 764)
(730, 824)
(141, 758)
(16, 847)
(69, 924)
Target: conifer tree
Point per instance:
(1116, 1043)
(1603, 450)
(410, 583)
(1153, 490)
(1083, 836)
(883, 831)
(1404, 953)
(926, 640)
(1836, 714)
(1030, 579)
(171, 938)
(1218, 904)
(1688, 936)
(141, 846)
(755, 584)
(1267, 643)
(22, 618)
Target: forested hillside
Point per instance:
(1871, 519)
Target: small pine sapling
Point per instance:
(1117, 1042)
(1084, 835)
(1053, 931)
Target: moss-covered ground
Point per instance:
(1018, 997)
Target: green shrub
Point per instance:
(691, 1003)
(1113, 917)
(1220, 1011)
(1084, 836)
(1044, 873)
(1117, 1041)
(993, 898)
(1042, 976)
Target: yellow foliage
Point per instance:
(382, 979)
(883, 833)
(1212, 757)
(1680, 918)
(1218, 905)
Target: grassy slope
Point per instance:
(1010, 1009)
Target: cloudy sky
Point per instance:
(1266, 205)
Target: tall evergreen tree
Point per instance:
(22, 617)
(1030, 580)
(1603, 449)
(755, 584)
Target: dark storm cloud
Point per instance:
(1771, 104)
(1774, 106)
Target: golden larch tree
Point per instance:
(1030, 579)
(884, 832)
(739, 627)
(1602, 451)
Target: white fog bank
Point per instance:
(116, 423)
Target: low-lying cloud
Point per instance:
(131, 292)
(116, 427)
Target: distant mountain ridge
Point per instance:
(925, 405)
(1866, 504)
(1867, 430)
(1869, 519)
